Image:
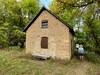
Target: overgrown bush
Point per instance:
(97, 51)
(3, 39)
(93, 57)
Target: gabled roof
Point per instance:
(42, 9)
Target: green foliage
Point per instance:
(14, 16)
(66, 13)
(91, 56)
(82, 15)
(3, 39)
(81, 36)
(4, 35)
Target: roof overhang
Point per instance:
(42, 9)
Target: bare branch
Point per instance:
(83, 5)
(75, 4)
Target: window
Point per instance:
(44, 24)
(44, 42)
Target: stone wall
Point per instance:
(58, 34)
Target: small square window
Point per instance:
(44, 24)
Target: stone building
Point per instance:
(47, 35)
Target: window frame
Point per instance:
(44, 24)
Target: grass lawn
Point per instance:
(14, 62)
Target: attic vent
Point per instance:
(44, 24)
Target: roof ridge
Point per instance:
(43, 8)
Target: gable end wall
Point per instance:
(58, 37)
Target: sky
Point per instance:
(45, 3)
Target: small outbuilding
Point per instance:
(47, 35)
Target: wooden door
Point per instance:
(44, 42)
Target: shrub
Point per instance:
(93, 57)
(97, 51)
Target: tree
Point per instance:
(83, 16)
(16, 14)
